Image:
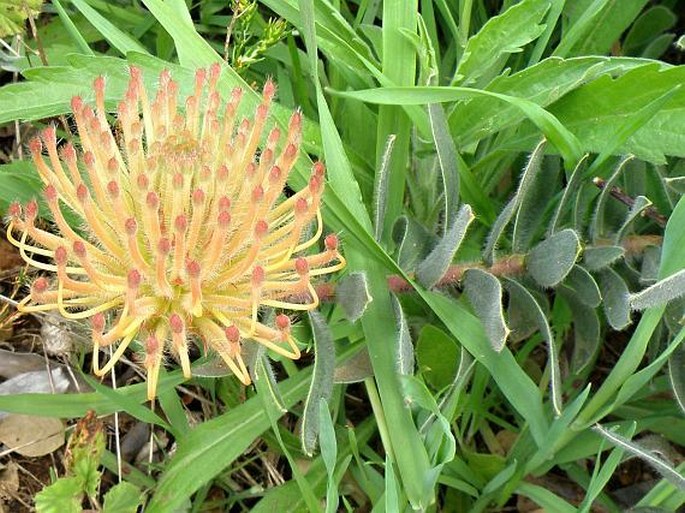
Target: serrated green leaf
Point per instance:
(13, 14)
(543, 84)
(552, 259)
(322, 381)
(660, 293)
(484, 292)
(520, 295)
(507, 33)
(584, 285)
(565, 141)
(616, 299)
(62, 496)
(596, 258)
(353, 296)
(434, 266)
(676, 375)
(123, 498)
(594, 111)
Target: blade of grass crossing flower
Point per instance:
(399, 65)
(77, 405)
(116, 37)
(71, 28)
(405, 444)
(329, 453)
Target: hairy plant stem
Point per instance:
(506, 266)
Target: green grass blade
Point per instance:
(71, 28)
(195, 462)
(115, 36)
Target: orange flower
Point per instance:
(184, 232)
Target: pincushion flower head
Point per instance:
(185, 230)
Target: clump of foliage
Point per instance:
(507, 183)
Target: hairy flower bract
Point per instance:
(185, 230)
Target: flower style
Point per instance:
(184, 233)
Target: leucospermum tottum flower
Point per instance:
(185, 233)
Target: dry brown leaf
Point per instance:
(9, 481)
(32, 436)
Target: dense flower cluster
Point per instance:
(185, 230)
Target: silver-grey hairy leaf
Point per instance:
(322, 381)
(661, 292)
(485, 295)
(436, 263)
(599, 257)
(353, 296)
(584, 285)
(405, 350)
(616, 299)
(552, 259)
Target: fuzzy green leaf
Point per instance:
(586, 330)
(448, 161)
(355, 369)
(534, 198)
(653, 459)
(413, 242)
(676, 375)
(528, 178)
(405, 350)
(436, 263)
(521, 296)
(599, 257)
(552, 259)
(322, 381)
(353, 296)
(660, 293)
(616, 299)
(584, 285)
(484, 292)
